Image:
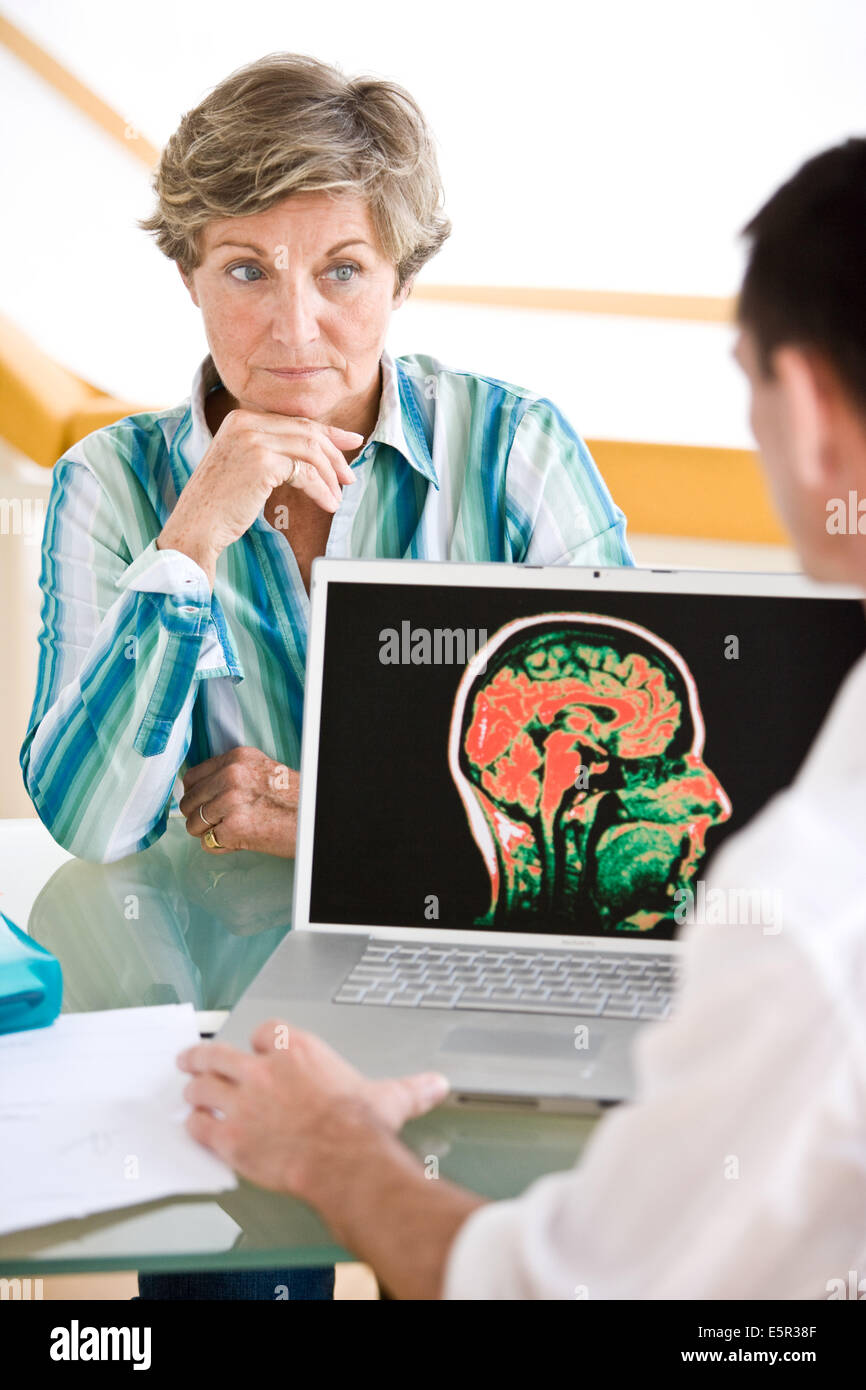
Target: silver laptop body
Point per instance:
(569, 746)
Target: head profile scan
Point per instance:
(576, 745)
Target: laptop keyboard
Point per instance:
(537, 982)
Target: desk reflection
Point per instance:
(169, 925)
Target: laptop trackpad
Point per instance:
(518, 1044)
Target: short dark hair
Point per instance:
(805, 282)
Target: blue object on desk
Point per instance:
(31, 981)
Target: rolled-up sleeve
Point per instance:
(121, 645)
(559, 510)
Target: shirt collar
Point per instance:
(400, 423)
(199, 437)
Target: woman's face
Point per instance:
(301, 286)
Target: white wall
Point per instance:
(614, 145)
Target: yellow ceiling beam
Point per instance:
(76, 92)
(44, 408)
(689, 490)
(690, 308)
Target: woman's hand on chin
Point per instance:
(242, 800)
(252, 455)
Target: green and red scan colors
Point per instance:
(577, 748)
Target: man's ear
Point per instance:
(808, 412)
(189, 285)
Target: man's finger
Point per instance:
(272, 1036)
(215, 1057)
(209, 1092)
(207, 1129)
(407, 1097)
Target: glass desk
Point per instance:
(172, 925)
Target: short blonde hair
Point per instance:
(289, 124)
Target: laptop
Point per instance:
(512, 780)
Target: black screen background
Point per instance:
(390, 827)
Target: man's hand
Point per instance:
(250, 801)
(282, 1113)
(297, 1118)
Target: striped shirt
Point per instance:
(143, 672)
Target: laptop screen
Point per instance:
(554, 761)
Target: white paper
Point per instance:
(91, 1116)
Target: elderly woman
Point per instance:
(298, 206)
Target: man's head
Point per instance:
(802, 344)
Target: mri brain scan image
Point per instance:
(576, 746)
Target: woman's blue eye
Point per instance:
(244, 280)
(345, 279)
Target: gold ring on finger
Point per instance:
(211, 841)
